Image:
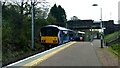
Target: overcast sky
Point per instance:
(83, 9)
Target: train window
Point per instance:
(49, 31)
(65, 32)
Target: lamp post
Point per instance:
(101, 38)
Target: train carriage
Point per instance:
(80, 36)
(55, 35)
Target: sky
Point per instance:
(83, 9)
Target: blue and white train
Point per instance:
(55, 35)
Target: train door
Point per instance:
(60, 37)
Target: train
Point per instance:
(80, 36)
(53, 35)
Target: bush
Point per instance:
(116, 47)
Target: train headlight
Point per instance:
(54, 41)
(43, 41)
(81, 38)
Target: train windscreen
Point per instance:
(49, 31)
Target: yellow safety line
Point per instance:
(39, 60)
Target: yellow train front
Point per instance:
(49, 40)
(49, 35)
(52, 35)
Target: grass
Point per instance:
(116, 46)
(112, 36)
(10, 55)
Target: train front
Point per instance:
(49, 36)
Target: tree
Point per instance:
(54, 11)
(16, 26)
(51, 19)
(17, 23)
(74, 18)
(59, 14)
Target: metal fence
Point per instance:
(112, 41)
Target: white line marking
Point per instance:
(36, 55)
(92, 44)
(41, 59)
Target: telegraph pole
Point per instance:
(32, 24)
(33, 14)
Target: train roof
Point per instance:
(60, 28)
